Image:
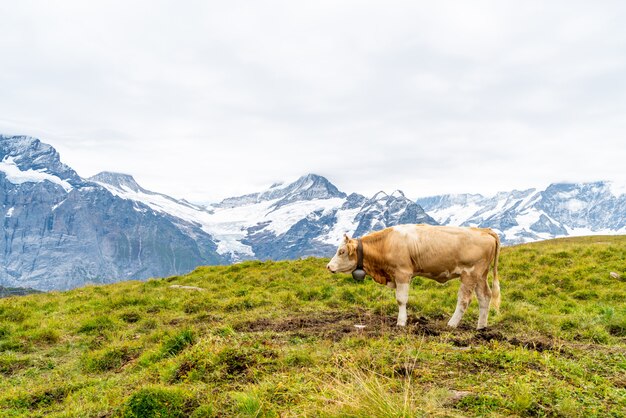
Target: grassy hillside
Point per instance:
(278, 338)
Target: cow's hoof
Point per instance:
(401, 324)
(453, 324)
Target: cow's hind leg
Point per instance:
(483, 294)
(465, 295)
(402, 296)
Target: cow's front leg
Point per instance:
(465, 295)
(402, 296)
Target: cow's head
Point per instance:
(345, 259)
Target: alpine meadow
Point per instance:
(285, 209)
(279, 339)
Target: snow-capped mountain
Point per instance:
(306, 217)
(309, 187)
(27, 160)
(315, 227)
(62, 231)
(561, 209)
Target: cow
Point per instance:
(395, 255)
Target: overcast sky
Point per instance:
(210, 99)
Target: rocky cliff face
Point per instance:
(61, 231)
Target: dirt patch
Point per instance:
(537, 343)
(335, 325)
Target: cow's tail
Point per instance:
(495, 288)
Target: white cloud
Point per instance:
(204, 100)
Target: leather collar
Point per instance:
(358, 273)
(359, 254)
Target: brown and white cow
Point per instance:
(395, 255)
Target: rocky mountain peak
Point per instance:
(20, 144)
(118, 180)
(316, 186)
(381, 195)
(30, 155)
(383, 210)
(307, 187)
(396, 197)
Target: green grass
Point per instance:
(271, 339)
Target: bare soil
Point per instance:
(335, 325)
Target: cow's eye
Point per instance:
(342, 252)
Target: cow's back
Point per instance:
(434, 250)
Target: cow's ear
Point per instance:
(346, 238)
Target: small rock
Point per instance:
(615, 275)
(177, 286)
(462, 348)
(457, 395)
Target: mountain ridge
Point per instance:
(62, 231)
(561, 209)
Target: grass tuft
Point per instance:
(109, 359)
(177, 343)
(155, 401)
(98, 324)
